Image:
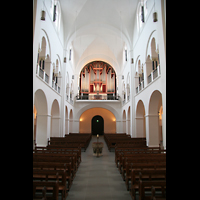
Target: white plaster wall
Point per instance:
(58, 48)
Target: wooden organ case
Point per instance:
(97, 81)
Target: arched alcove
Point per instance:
(86, 120)
(140, 120)
(155, 104)
(40, 103)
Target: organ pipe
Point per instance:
(96, 77)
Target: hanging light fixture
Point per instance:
(132, 61)
(155, 19)
(43, 14)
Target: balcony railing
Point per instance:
(150, 78)
(97, 97)
(41, 73)
(55, 86)
(45, 77)
(140, 87)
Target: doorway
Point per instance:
(97, 125)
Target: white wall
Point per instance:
(54, 48)
(58, 48)
(141, 49)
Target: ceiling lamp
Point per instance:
(43, 14)
(132, 61)
(155, 19)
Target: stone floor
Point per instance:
(98, 177)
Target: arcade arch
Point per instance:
(154, 119)
(40, 105)
(140, 120)
(86, 118)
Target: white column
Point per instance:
(43, 129)
(139, 122)
(75, 125)
(119, 126)
(152, 130)
(55, 126)
(132, 98)
(66, 126)
(63, 93)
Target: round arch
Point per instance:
(40, 103)
(155, 102)
(86, 118)
(44, 34)
(89, 106)
(140, 120)
(148, 47)
(55, 119)
(155, 125)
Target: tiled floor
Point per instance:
(98, 177)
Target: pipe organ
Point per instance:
(97, 80)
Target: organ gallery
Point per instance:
(97, 81)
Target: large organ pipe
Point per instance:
(98, 77)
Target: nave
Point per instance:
(98, 177)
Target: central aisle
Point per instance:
(98, 177)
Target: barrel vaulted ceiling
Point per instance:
(98, 30)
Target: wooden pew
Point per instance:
(60, 150)
(129, 169)
(71, 140)
(145, 175)
(50, 186)
(147, 185)
(55, 166)
(53, 175)
(60, 153)
(129, 161)
(134, 151)
(117, 139)
(123, 149)
(56, 159)
(153, 196)
(44, 190)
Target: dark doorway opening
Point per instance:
(97, 125)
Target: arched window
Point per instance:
(55, 11)
(141, 14)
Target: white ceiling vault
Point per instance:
(98, 29)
